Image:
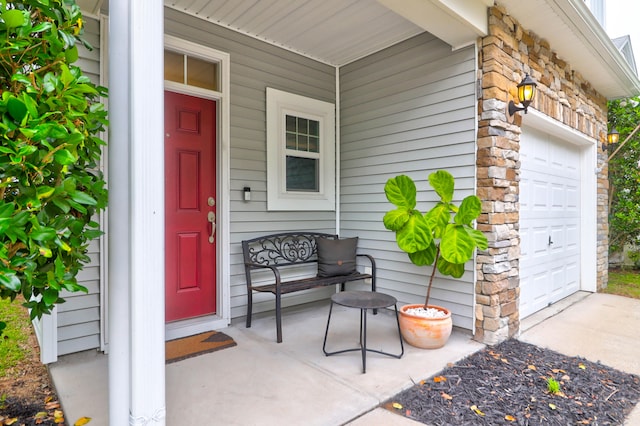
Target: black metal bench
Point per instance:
(284, 250)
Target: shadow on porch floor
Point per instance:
(260, 382)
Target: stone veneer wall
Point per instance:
(505, 55)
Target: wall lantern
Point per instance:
(526, 92)
(613, 137)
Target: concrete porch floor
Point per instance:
(261, 382)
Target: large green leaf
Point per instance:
(401, 191)
(456, 245)
(395, 219)
(443, 183)
(415, 235)
(439, 217)
(479, 238)
(456, 270)
(424, 257)
(469, 210)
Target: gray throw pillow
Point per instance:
(336, 257)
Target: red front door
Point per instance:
(190, 206)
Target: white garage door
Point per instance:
(549, 220)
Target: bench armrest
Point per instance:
(373, 269)
(248, 266)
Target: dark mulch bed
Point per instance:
(507, 385)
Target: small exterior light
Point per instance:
(526, 93)
(612, 138)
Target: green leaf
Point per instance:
(401, 191)
(479, 238)
(469, 210)
(443, 183)
(13, 18)
(396, 219)
(415, 235)
(17, 109)
(83, 198)
(424, 257)
(457, 245)
(456, 270)
(44, 192)
(10, 281)
(65, 76)
(27, 150)
(62, 204)
(32, 106)
(45, 252)
(71, 55)
(6, 210)
(43, 234)
(439, 217)
(41, 27)
(64, 157)
(63, 245)
(50, 82)
(50, 296)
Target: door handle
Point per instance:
(550, 242)
(211, 217)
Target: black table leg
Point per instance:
(363, 338)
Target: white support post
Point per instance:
(136, 214)
(119, 226)
(147, 213)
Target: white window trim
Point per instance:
(279, 104)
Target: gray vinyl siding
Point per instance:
(409, 109)
(79, 317)
(254, 67)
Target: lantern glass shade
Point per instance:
(613, 137)
(526, 90)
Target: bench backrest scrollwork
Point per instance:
(282, 249)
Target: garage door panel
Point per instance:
(573, 238)
(540, 242)
(534, 292)
(558, 197)
(549, 213)
(557, 281)
(573, 198)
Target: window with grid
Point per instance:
(300, 152)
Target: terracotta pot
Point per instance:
(426, 333)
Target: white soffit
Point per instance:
(457, 22)
(577, 37)
(335, 32)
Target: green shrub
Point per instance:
(50, 184)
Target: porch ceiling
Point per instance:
(338, 32)
(335, 32)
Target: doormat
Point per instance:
(203, 343)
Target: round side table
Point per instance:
(363, 300)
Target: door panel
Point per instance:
(190, 252)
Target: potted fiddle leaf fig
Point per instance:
(443, 237)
